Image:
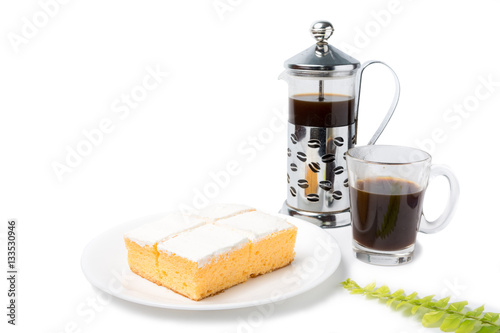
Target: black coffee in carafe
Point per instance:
(329, 110)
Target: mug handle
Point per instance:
(395, 99)
(429, 227)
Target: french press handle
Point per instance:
(394, 100)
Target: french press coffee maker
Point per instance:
(324, 86)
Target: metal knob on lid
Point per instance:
(321, 31)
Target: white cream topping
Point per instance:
(163, 228)
(256, 224)
(203, 244)
(220, 211)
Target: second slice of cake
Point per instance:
(272, 238)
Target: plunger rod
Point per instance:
(321, 92)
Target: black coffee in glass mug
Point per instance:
(386, 188)
(386, 212)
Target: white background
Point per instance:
(68, 74)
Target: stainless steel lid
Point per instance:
(322, 56)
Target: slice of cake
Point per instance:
(204, 261)
(141, 242)
(272, 238)
(221, 211)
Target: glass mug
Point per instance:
(386, 187)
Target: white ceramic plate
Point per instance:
(104, 263)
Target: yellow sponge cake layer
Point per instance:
(272, 252)
(273, 240)
(204, 261)
(141, 242)
(143, 260)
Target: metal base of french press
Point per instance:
(321, 219)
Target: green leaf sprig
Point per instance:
(452, 317)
